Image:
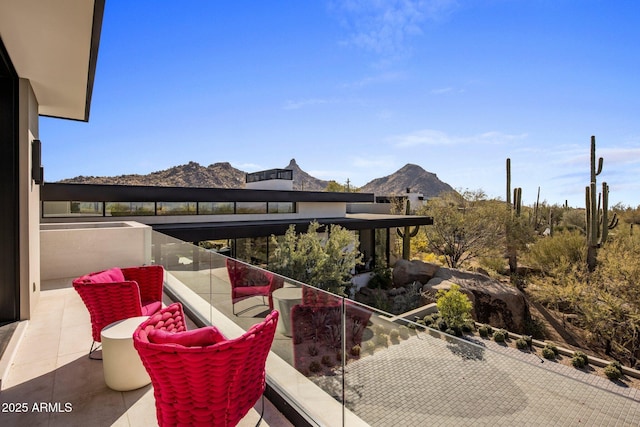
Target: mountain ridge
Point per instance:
(223, 175)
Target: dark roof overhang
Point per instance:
(193, 232)
(135, 193)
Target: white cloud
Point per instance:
(384, 26)
(436, 137)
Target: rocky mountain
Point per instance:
(304, 181)
(223, 175)
(409, 176)
(217, 175)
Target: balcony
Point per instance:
(401, 375)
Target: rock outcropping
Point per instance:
(494, 302)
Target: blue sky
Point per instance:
(356, 89)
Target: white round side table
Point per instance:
(284, 299)
(123, 369)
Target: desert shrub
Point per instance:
(369, 346)
(500, 335)
(613, 371)
(379, 329)
(326, 360)
(441, 324)
(428, 320)
(468, 327)
(381, 278)
(314, 366)
(355, 350)
(404, 332)
(552, 347)
(483, 331)
(382, 339)
(454, 306)
(492, 264)
(521, 344)
(549, 254)
(528, 339)
(394, 335)
(579, 359)
(548, 353)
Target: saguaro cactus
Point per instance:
(598, 223)
(515, 208)
(407, 234)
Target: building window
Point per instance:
(282, 207)
(129, 208)
(215, 208)
(251, 207)
(176, 208)
(63, 209)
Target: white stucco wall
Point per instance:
(29, 202)
(75, 249)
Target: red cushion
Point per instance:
(151, 307)
(107, 276)
(201, 337)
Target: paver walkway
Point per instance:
(431, 381)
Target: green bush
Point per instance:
(454, 306)
(483, 331)
(441, 324)
(500, 335)
(552, 347)
(404, 332)
(522, 344)
(613, 372)
(579, 359)
(467, 327)
(528, 340)
(381, 279)
(428, 320)
(394, 335)
(382, 340)
(548, 353)
(355, 350)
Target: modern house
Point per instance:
(48, 54)
(240, 222)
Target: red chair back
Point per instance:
(109, 302)
(213, 385)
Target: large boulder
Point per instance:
(405, 272)
(494, 302)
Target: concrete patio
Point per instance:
(51, 370)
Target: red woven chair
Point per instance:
(247, 281)
(199, 377)
(120, 293)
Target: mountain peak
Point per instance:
(292, 164)
(409, 176)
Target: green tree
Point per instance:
(454, 306)
(323, 261)
(336, 187)
(464, 227)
